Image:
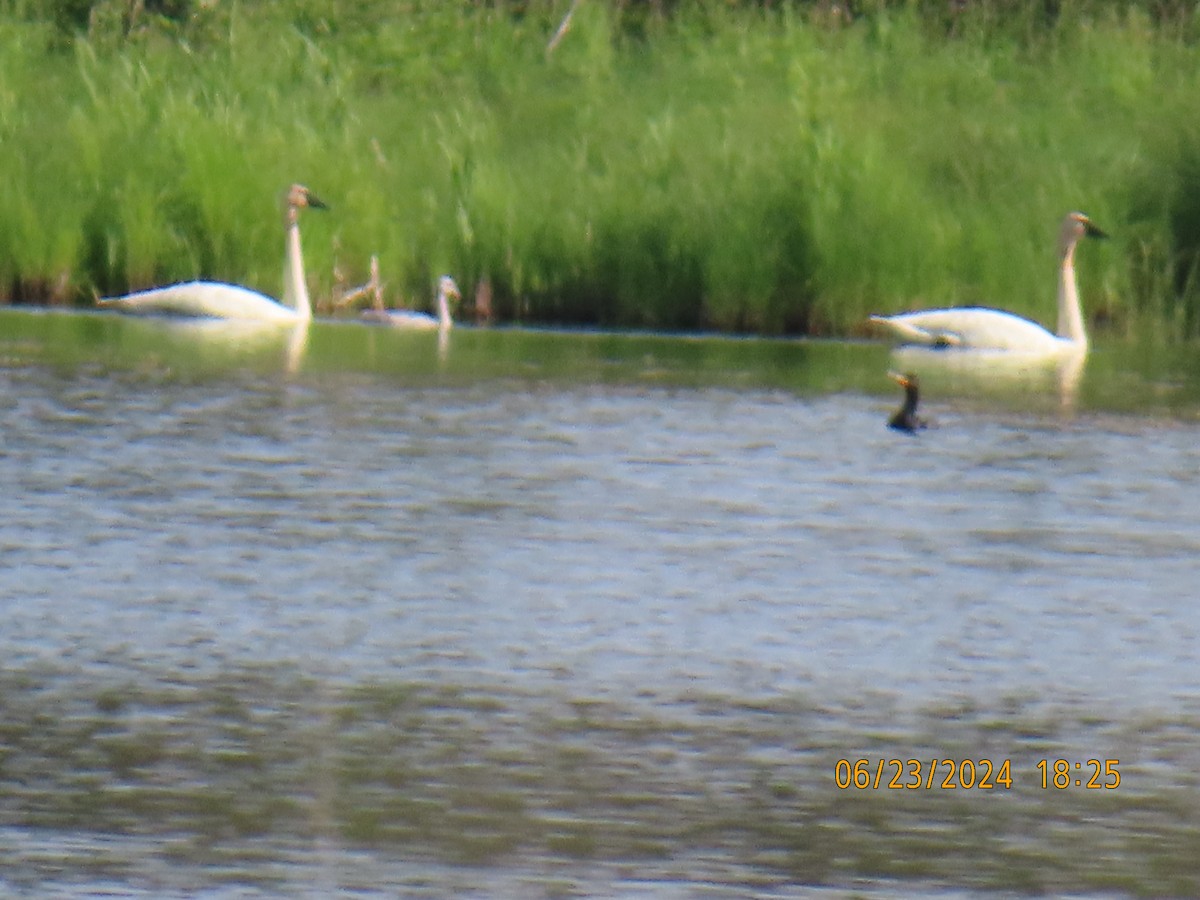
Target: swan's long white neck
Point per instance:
(295, 289)
(443, 310)
(1070, 317)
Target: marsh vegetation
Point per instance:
(763, 167)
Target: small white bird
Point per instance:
(413, 320)
(974, 328)
(215, 299)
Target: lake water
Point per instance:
(539, 614)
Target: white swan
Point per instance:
(993, 329)
(218, 300)
(411, 319)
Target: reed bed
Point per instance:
(778, 168)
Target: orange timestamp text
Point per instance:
(970, 774)
(923, 774)
(1063, 773)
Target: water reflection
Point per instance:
(245, 336)
(991, 371)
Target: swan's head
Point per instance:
(448, 288)
(1075, 227)
(299, 197)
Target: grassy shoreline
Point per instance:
(735, 169)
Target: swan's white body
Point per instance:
(995, 330)
(413, 320)
(214, 299)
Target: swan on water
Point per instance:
(906, 418)
(218, 300)
(411, 319)
(373, 288)
(974, 328)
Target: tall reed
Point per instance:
(775, 170)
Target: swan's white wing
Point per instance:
(204, 298)
(907, 331)
(972, 328)
(402, 318)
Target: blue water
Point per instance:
(706, 585)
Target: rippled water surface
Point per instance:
(553, 615)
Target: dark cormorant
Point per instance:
(906, 418)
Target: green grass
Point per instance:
(722, 166)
